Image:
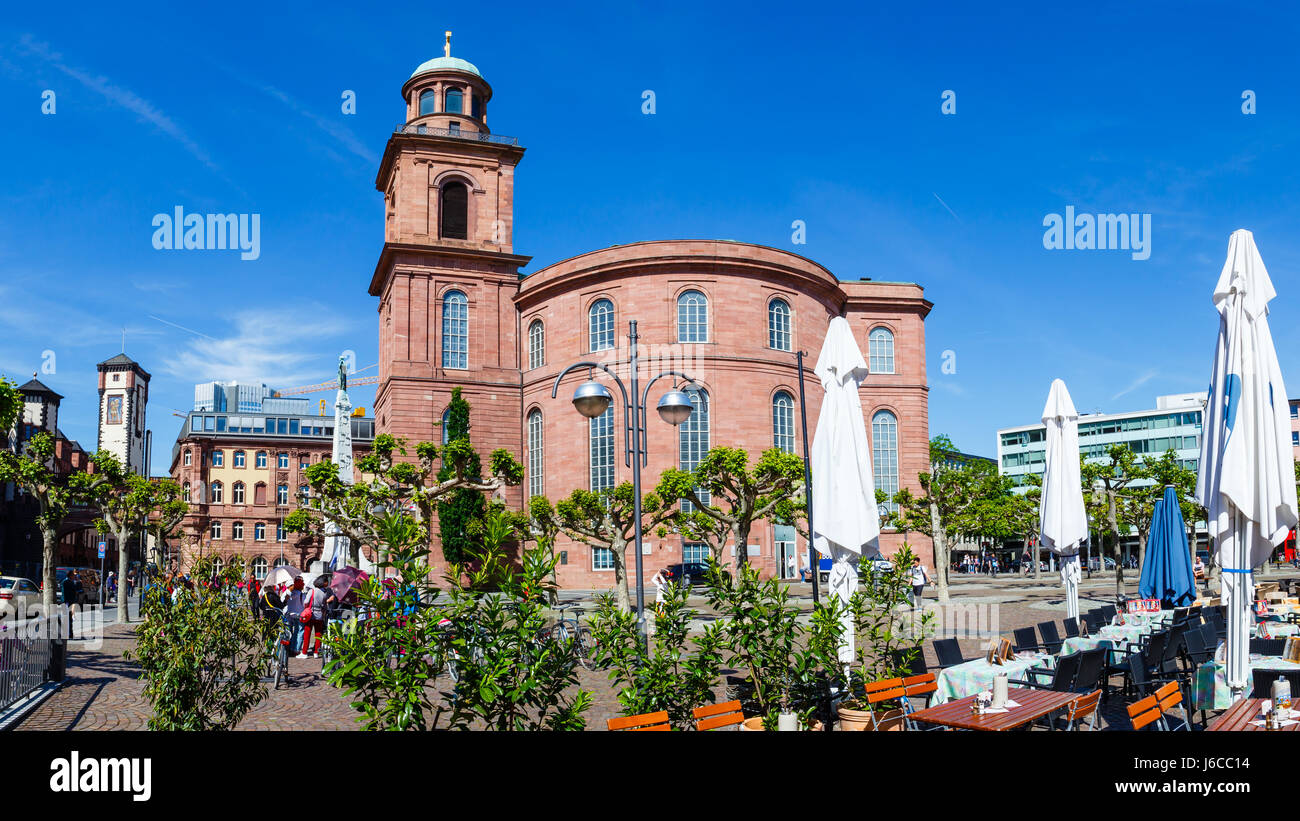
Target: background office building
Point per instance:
(242, 470)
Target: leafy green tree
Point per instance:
(607, 519)
(738, 496)
(392, 484)
(164, 520)
(33, 472)
(889, 637)
(11, 404)
(125, 502)
(671, 675)
(1108, 500)
(460, 513)
(955, 502)
(203, 653)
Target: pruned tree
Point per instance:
(460, 512)
(125, 501)
(738, 496)
(1107, 499)
(165, 518)
(33, 472)
(391, 484)
(607, 519)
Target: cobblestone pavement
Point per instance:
(103, 690)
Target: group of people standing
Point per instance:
(305, 609)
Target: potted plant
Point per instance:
(889, 642)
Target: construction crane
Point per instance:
(331, 385)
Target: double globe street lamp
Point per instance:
(592, 399)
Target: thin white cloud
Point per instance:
(332, 127)
(263, 347)
(1136, 383)
(118, 95)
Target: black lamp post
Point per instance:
(592, 399)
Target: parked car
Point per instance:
(89, 584)
(692, 574)
(17, 595)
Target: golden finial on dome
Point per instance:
(446, 50)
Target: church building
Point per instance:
(455, 310)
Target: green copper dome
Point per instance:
(447, 64)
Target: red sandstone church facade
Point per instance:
(455, 311)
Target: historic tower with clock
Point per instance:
(123, 394)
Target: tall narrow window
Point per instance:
(476, 107)
(884, 453)
(239, 458)
(216, 530)
(185, 492)
(218, 458)
(282, 459)
(259, 532)
(259, 494)
(600, 325)
(536, 344)
(881, 344)
(237, 531)
(693, 440)
(446, 429)
(259, 568)
(428, 100)
(282, 495)
(783, 422)
(778, 325)
(454, 211)
(261, 458)
(692, 317)
(536, 476)
(217, 493)
(453, 101)
(602, 450)
(237, 491)
(455, 330)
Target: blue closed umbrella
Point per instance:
(1167, 571)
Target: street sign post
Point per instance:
(102, 547)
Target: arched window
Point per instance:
(453, 101)
(536, 477)
(259, 532)
(881, 346)
(600, 325)
(218, 565)
(185, 492)
(237, 493)
(454, 211)
(783, 422)
(216, 530)
(217, 492)
(237, 531)
(455, 330)
(261, 458)
(446, 428)
(693, 439)
(259, 568)
(884, 453)
(601, 454)
(536, 344)
(218, 458)
(778, 325)
(239, 458)
(692, 317)
(280, 562)
(428, 100)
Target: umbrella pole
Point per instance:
(813, 564)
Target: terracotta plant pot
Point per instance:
(855, 720)
(752, 724)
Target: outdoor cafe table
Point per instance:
(1210, 687)
(1078, 644)
(976, 676)
(1240, 716)
(1034, 704)
(1274, 629)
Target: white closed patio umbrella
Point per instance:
(1063, 523)
(1246, 478)
(846, 522)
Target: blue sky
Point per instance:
(766, 114)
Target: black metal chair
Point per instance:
(1264, 682)
(1174, 648)
(1071, 628)
(915, 667)
(1108, 612)
(1216, 618)
(1051, 639)
(1062, 675)
(1268, 647)
(1023, 640)
(1092, 666)
(948, 652)
(1139, 665)
(1198, 651)
(1211, 636)
(1180, 614)
(1094, 620)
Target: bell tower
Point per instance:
(447, 274)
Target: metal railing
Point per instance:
(24, 665)
(472, 136)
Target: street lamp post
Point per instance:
(592, 399)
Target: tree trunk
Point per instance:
(740, 531)
(122, 563)
(1113, 521)
(940, 552)
(1142, 551)
(48, 543)
(621, 598)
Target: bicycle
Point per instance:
(280, 670)
(567, 629)
(475, 649)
